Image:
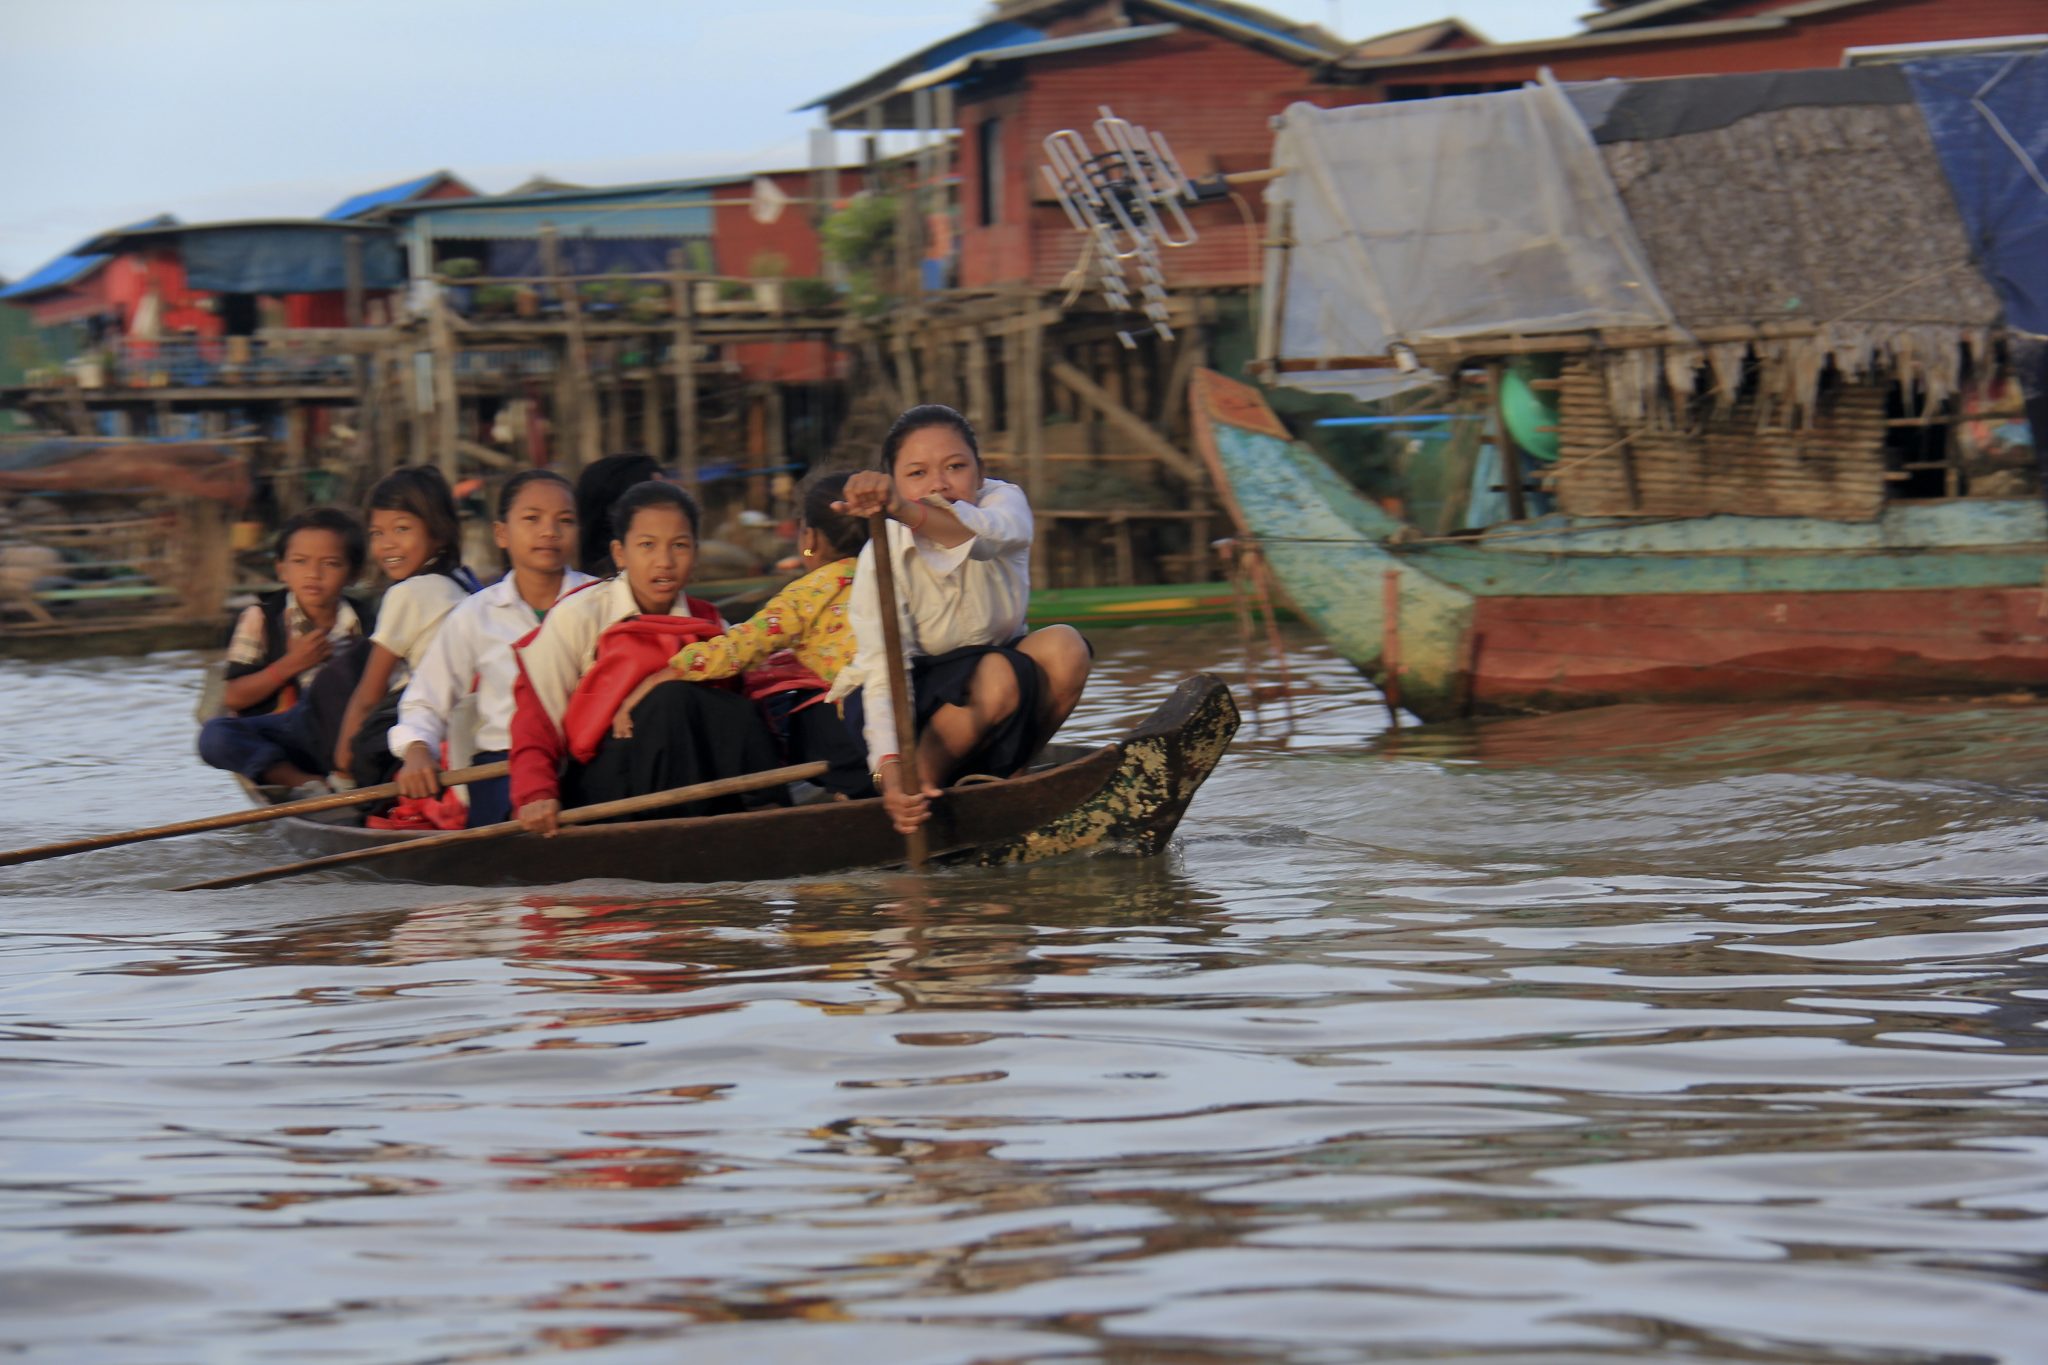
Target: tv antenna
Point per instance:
(1127, 199)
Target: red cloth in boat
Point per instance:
(783, 672)
(628, 653)
(445, 811)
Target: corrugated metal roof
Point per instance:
(170, 229)
(78, 263)
(1051, 47)
(673, 208)
(1303, 37)
(390, 194)
(981, 38)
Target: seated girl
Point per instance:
(595, 647)
(987, 696)
(536, 529)
(416, 539)
(793, 647)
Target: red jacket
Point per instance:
(628, 653)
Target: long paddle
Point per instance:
(899, 680)
(253, 816)
(582, 815)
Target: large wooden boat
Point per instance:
(1125, 797)
(1700, 433)
(1562, 611)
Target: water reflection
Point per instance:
(1680, 1033)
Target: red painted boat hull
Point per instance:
(1547, 653)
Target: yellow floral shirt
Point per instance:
(808, 618)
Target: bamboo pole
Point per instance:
(1029, 417)
(233, 819)
(908, 769)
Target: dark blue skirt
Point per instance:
(945, 679)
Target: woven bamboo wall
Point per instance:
(1726, 463)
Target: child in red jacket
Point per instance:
(595, 648)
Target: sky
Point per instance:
(112, 111)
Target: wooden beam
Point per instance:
(613, 400)
(775, 446)
(577, 430)
(650, 411)
(683, 307)
(291, 485)
(1124, 420)
(387, 382)
(977, 381)
(906, 369)
(447, 404)
(485, 455)
(1188, 354)
(352, 273)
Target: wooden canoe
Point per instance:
(1123, 797)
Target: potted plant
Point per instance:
(496, 300)
(810, 294)
(455, 269)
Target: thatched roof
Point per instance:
(1805, 198)
(1823, 214)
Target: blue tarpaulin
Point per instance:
(1989, 119)
(285, 260)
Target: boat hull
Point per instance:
(1562, 613)
(1552, 653)
(1126, 797)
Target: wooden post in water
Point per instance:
(1390, 644)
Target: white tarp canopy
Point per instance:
(1432, 220)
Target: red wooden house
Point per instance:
(785, 248)
(99, 292)
(1206, 73)
(1633, 39)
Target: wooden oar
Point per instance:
(899, 677)
(582, 815)
(253, 816)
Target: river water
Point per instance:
(1687, 1034)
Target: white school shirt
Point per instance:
(973, 593)
(475, 641)
(566, 647)
(408, 615)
